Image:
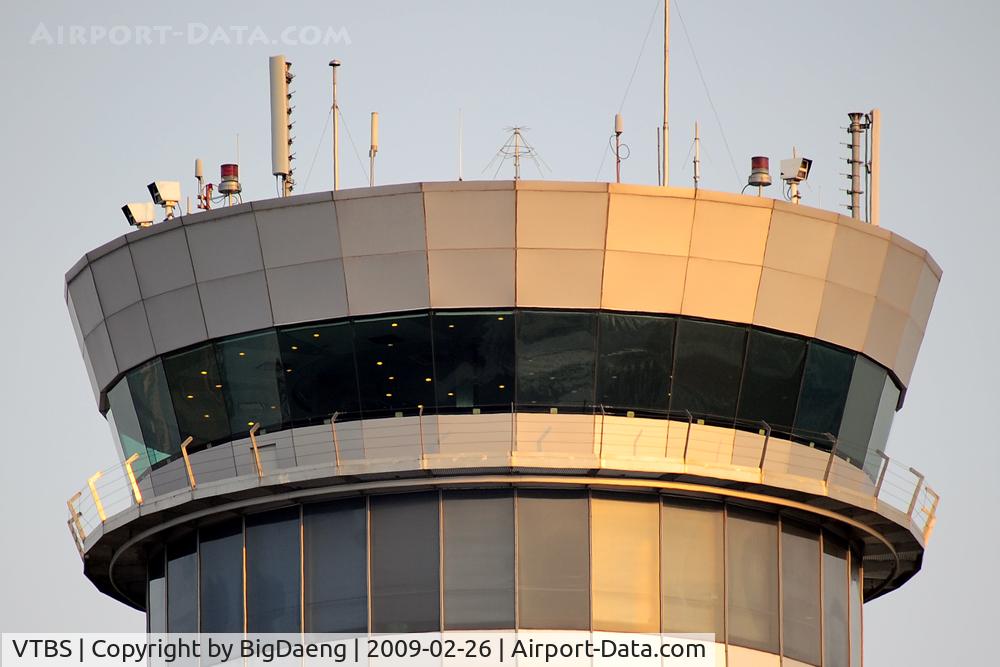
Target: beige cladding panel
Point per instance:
(497, 244)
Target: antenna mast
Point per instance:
(697, 156)
(666, 89)
(335, 112)
(373, 150)
(858, 125)
(281, 122)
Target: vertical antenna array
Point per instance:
(281, 122)
(858, 125)
(335, 112)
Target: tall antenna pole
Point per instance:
(517, 153)
(373, 150)
(697, 156)
(335, 111)
(666, 89)
(857, 125)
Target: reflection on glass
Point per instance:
(155, 411)
(855, 609)
(125, 425)
(771, 379)
(707, 369)
(253, 382)
(634, 361)
(273, 568)
(752, 579)
(555, 358)
(319, 371)
(693, 568)
(196, 391)
(221, 548)
(156, 594)
(859, 413)
(478, 560)
(800, 593)
(394, 364)
(405, 563)
(336, 566)
(626, 570)
(553, 548)
(182, 585)
(836, 649)
(880, 431)
(474, 359)
(824, 390)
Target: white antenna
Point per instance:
(373, 150)
(460, 144)
(697, 156)
(858, 124)
(335, 112)
(281, 122)
(666, 89)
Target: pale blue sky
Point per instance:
(85, 127)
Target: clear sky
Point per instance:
(86, 126)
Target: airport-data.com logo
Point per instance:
(190, 34)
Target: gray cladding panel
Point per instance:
(130, 337)
(298, 234)
(236, 304)
(306, 292)
(102, 357)
(84, 301)
(175, 319)
(115, 278)
(226, 247)
(162, 262)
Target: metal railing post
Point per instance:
(600, 445)
(829, 463)
(336, 441)
(420, 429)
(74, 514)
(687, 436)
(931, 514)
(916, 491)
(136, 493)
(256, 450)
(76, 538)
(92, 483)
(763, 450)
(187, 461)
(881, 474)
(513, 432)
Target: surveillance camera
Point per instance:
(165, 193)
(795, 169)
(139, 214)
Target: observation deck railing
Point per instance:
(606, 438)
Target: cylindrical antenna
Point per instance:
(279, 116)
(619, 128)
(876, 124)
(697, 156)
(199, 170)
(373, 150)
(857, 125)
(335, 112)
(666, 90)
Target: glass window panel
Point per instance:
(883, 423)
(156, 594)
(320, 377)
(772, 377)
(336, 566)
(474, 359)
(182, 585)
(752, 579)
(835, 584)
(405, 548)
(394, 364)
(825, 382)
(553, 548)
(855, 605)
(863, 400)
(221, 548)
(555, 359)
(634, 361)
(708, 361)
(252, 381)
(693, 568)
(478, 560)
(197, 393)
(155, 412)
(800, 593)
(125, 425)
(625, 538)
(274, 566)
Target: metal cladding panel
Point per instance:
(82, 297)
(162, 262)
(298, 234)
(308, 292)
(130, 337)
(115, 279)
(236, 304)
(533, 244)
(224, 247)
(175, 319)
(101, 354)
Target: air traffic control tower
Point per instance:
(506, 404)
